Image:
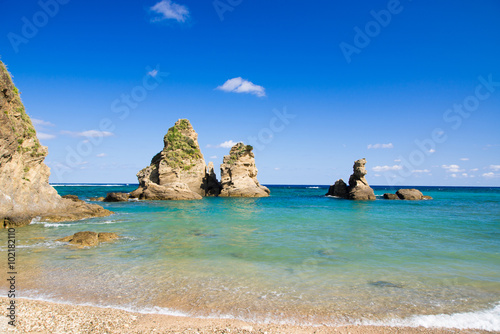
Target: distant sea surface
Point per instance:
(295, 257)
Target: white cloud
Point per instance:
(168, 9)
(377, 146)
(397, 160)
(88, 133)
(276, 168)
(495, 168)
(452, 169)
(40, 123)
(240, 85)
(213, 157)
(474, 170)
(489, 175)
(432, 150)
(44, 136)
(101, 155)
(421, 171)
(464, 159)
(386, 168)
(226, 144)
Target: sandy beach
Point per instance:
(47, 317)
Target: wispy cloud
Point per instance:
(167, 9)
(88, 133)
(452, 168)
(377, 146)
(490, 175)
(101, 155)
(419, 171)
(464, 159)
(495, 168)
(40, 123)
(386, 168)
(44, 136)
(226, 144)
(240, 85)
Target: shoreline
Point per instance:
(36, 316)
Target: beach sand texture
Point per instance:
(47, 317)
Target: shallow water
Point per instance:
(296, 256)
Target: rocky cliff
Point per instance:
(358, 188)
(24, 178)
(239, 174)
(179, 171)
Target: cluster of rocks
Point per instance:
(25, 192)
(88, 238)
(179, 171)
(358, 188)
(407, 194)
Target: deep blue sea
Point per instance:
(294, 257)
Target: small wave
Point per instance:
(486, 320)
(312, 187)
(89, 185)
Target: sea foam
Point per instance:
(485, 319)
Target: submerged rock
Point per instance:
(178, 172)
(385, 284)
(25, 191)
(239, 174)
(358, 188)
(88, 238)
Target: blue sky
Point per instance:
(412, 86)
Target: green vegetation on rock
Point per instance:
(180, 150)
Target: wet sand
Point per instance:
(48, 317)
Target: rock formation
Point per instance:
(116, 197)
(24, 179)
(358, 188)
(178, 172)
(212, 185)
(89, 239)
(239, 174)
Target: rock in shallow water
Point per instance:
(88, 238)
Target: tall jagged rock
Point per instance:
(358, 188)
(239, 174)
(24, 178)
(178, 172)
(212, 185)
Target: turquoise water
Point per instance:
(296, 256)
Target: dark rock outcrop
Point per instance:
(74, 198)
(96, 199)
(358, 188)
(212, 185)
(339, 189)
(390, 196)
(25, 191)
(88, 238)
(116, 197)
(239, 174)
(178, 172)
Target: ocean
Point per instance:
(295, 257)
